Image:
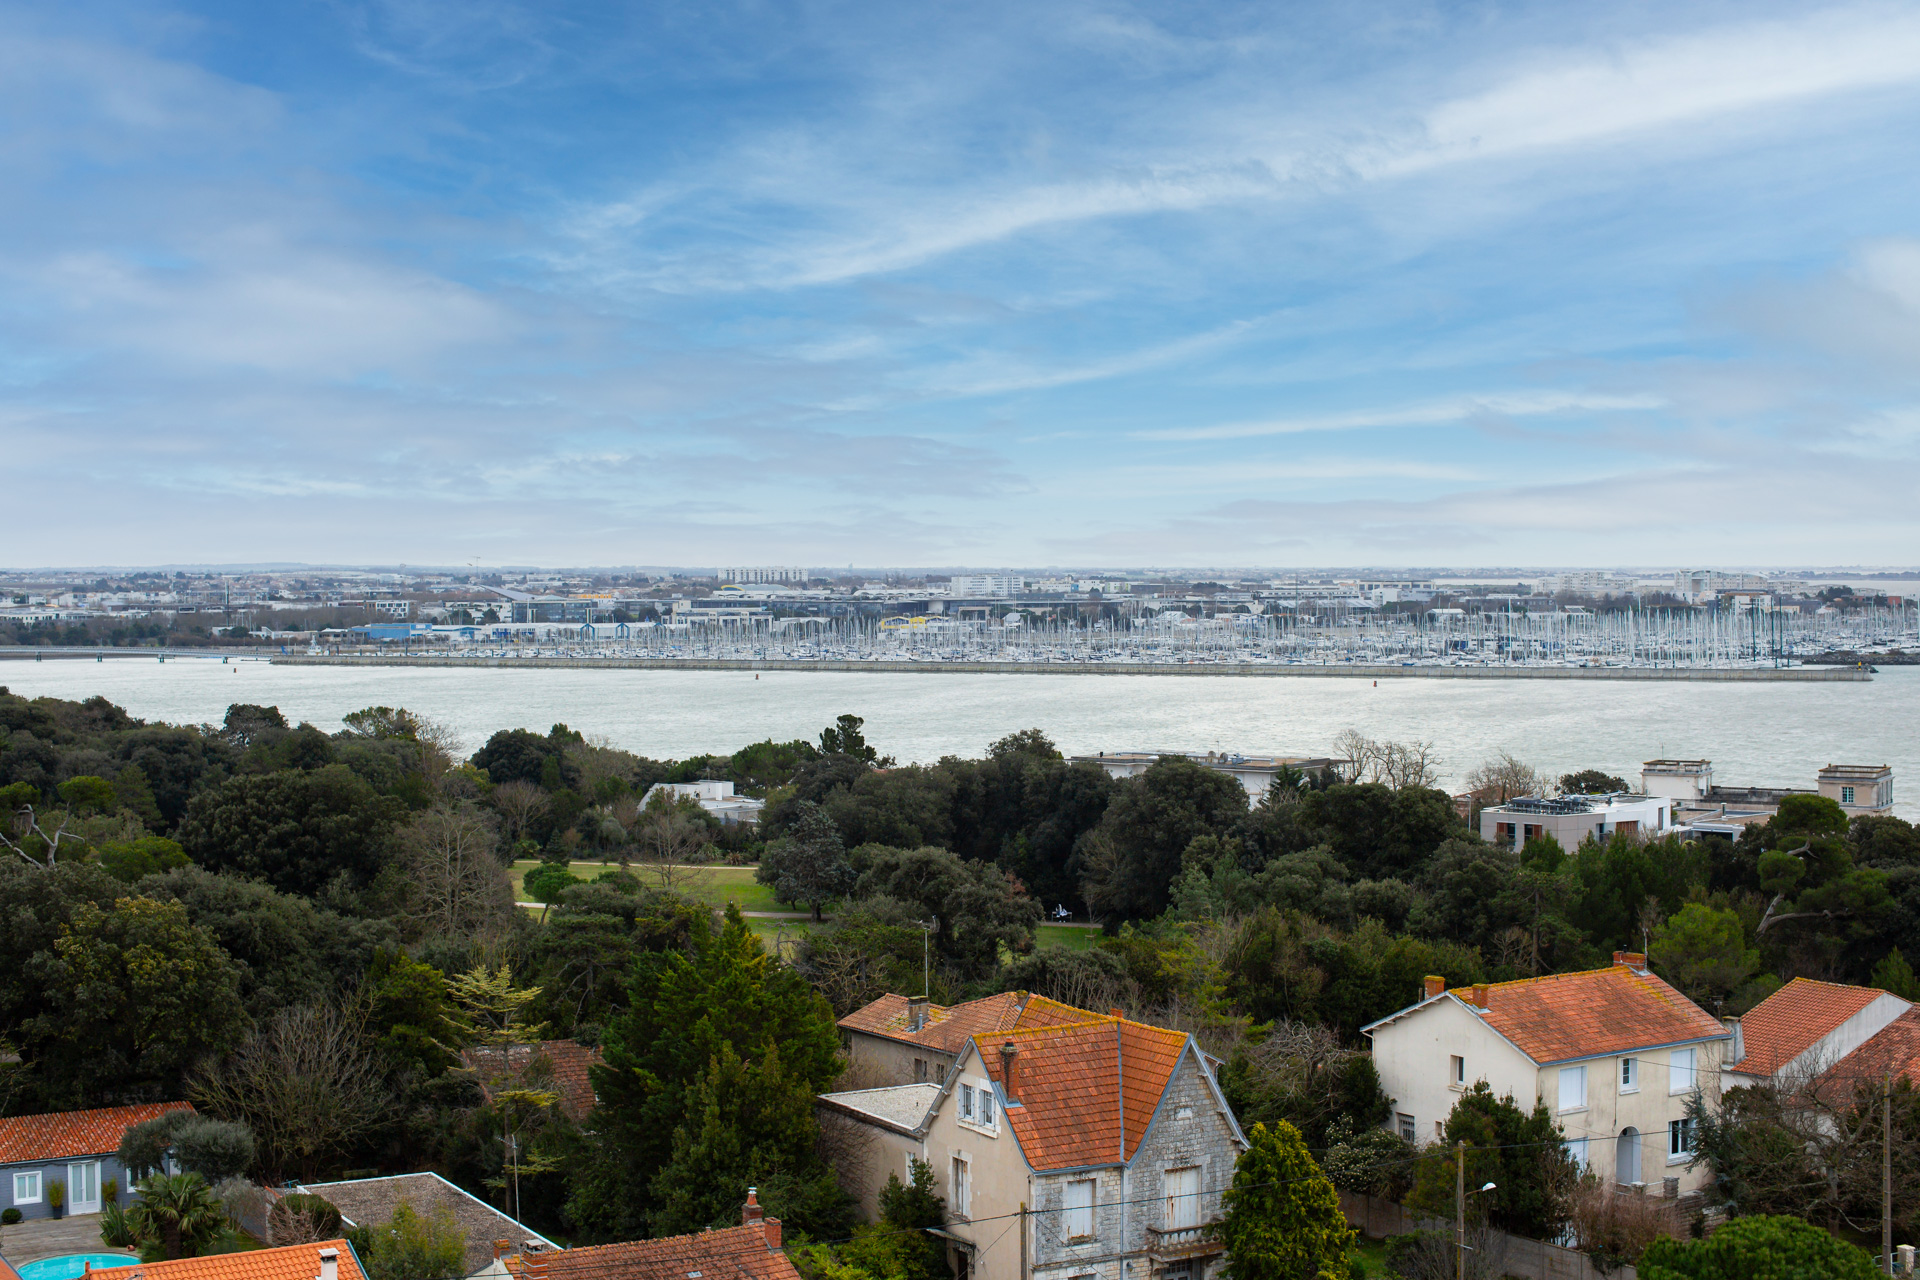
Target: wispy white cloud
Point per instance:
(1514, 404)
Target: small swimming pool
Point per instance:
(69, 1265)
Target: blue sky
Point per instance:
(1079, 284)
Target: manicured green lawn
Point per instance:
(1059, 935)
(717, 885)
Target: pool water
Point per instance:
(69, 1265)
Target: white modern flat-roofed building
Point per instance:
(1255, 773)
(1688, 781)
(1571, 819)
(983, 584)
(715, 797)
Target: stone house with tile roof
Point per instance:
(1614, 1053)
(1804, 1029)
(327, 1260)
(1089, 1148)
(79, 1150)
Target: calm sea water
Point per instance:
(1756, 734)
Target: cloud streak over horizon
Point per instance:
(590, 283)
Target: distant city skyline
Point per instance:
(1005, 286)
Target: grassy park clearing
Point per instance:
(721, 885)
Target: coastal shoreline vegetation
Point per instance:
(210, 912)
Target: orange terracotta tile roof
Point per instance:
(1086, 1090)
(1893, 1050)
(565, 1070)
(733, 1253)
(949, 1027)
(57, 1135)
(1599, 1011)
(1788, 1022)
(289, 1262)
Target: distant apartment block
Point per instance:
(771, 573)
(1255, 773)
(985, 584)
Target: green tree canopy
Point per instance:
(1773, 1247)
(1130, 860)
(980, 908)
(1522, 1153)
(1703, 951)
(1282, 1217)
(143, 993)
(810, 863)
(299, 831)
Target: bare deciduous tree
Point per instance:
(518, 803)
(456, 885)
(1396, 764)
(673, 843)
(305, 1083)
(29, 837)
(1503, 778)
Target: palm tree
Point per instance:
(179, 1212)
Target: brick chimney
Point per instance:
(916, 1012)
(751, 1212)
(329, 1264)
(1479, 995)
(501, 1248)
(1436, 986)
(772, 1227)
(533, 1266)
(1634, 960)
(1010, 1071)
(1117, 1012)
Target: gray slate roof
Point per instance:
(365, 1202)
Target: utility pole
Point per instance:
(1886, 1174)
(1460, 1210)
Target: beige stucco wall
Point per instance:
(1413, 1056)
(999, 1174)
(863, 1153)
(879, 1061)
(1611, 1110)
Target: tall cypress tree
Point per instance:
(724, 995)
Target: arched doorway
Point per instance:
(1626, 1163)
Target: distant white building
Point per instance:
(984, 584)
(772, 573)
(1255, 773)
(1571, 819)
(715, 797)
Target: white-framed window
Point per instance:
(1077, 1222)
(1457, 1071)
(1679, 1140)
(960, 1192)
(1577, 1149)
(26, 1187)
(1573, 1088)
(966, 1102)
(983, 1106)
(1681, 1076)
(1629, 1075)
(1406, 1126)
(1846, 795)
